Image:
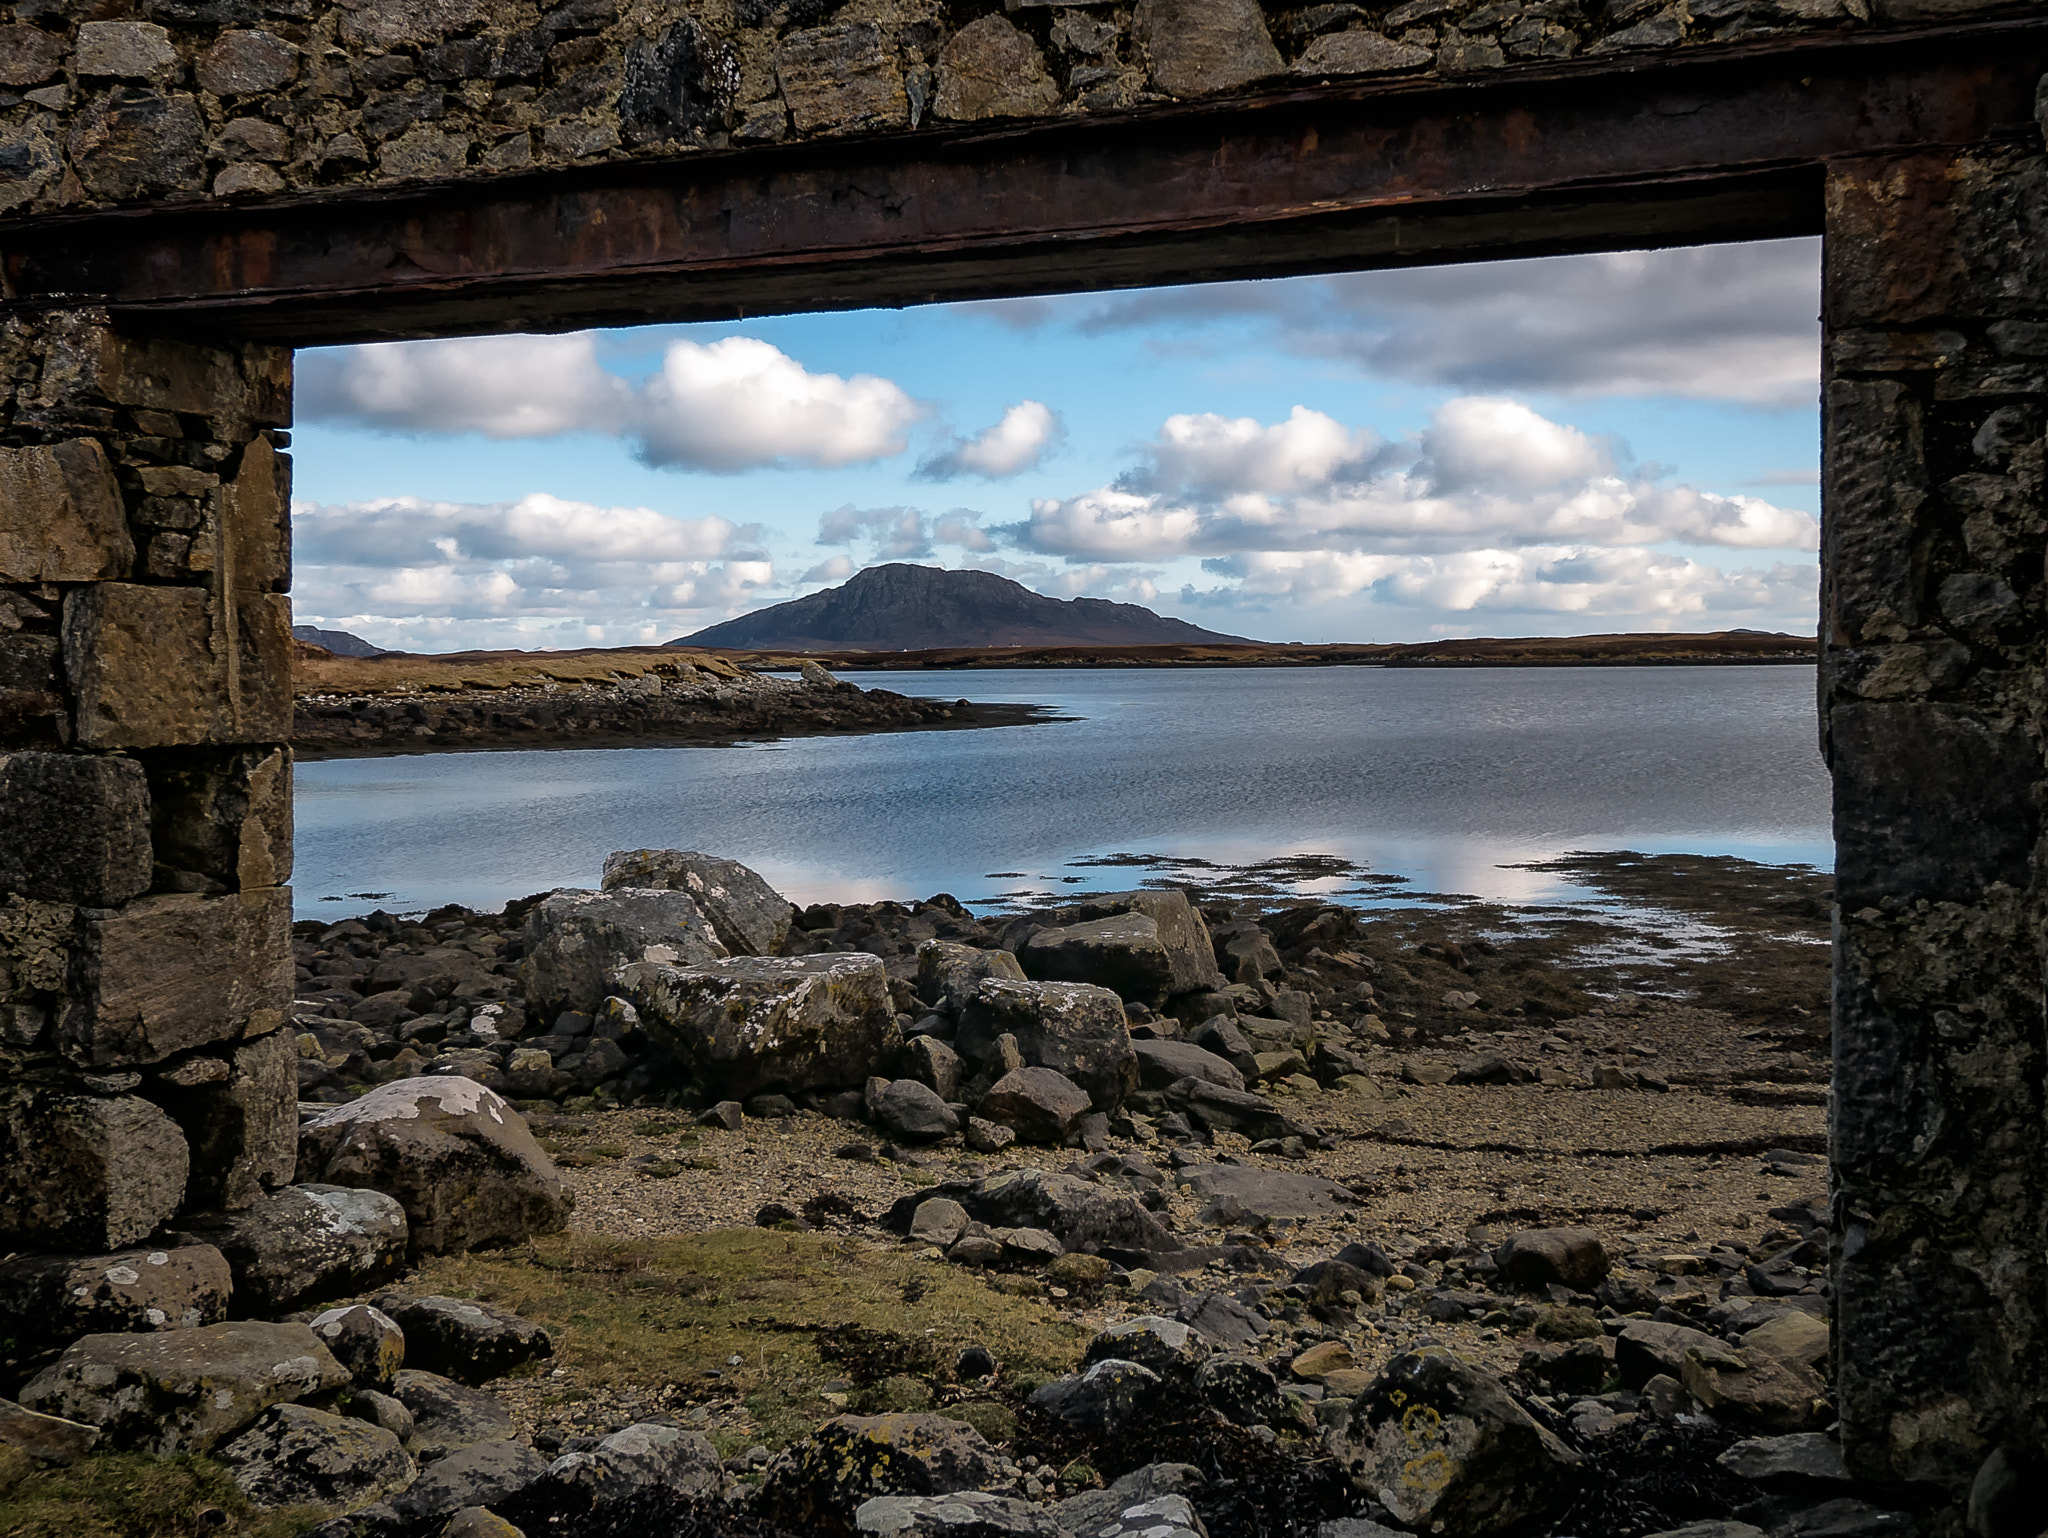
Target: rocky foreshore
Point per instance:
(666, 703)
(1148, 1214)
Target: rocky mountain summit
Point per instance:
(901, 607)
(1132, 1124)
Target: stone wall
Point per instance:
(145, 785)
(1935, 716)
(126, 101)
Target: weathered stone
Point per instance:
(1645, 1349)
(57, 1298)
(308, 1243)
(1075, 1030)
(183, 1390)
(1242, 1389)
(1538, 1257)
(1437, 1441)
(397, 23)
(1753, 1390)
(467, 1341)
(1079, 1212)
(1225, 1110)
(448, 1416)
(28, 55)
(240, 1120)
(841, 79)
(365, 1340)
(1088, 1513)
(1168, 1347)
(990, 69)
(46, 1438)
(949, 973)
(172, 972)
(1791, 1337)
(639, 1459)
(938, 1221)
(481, 1474)
(1121, 952)
(61, 515)
(1041, 1106)
(1360, 53)
(1200, 47)
(819, 1482)
(1162, 1063)
(967, 1514)
(913, 1112)
(1802, 1461)
(85, 1172)
(293, 1456)
(244, 64)
(136, 143)
(770, 1023)
(158, 666)
(935, 1065)
(577, 941)
(1243, 1193)
(126, 50)
(1102, 1400)
(458, 1158)
(77, 827)
(224, 815)
(749, 917)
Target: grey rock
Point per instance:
(308, 1244)
(1200, 47)
(1093, 1510)
(1121, 952)
(483, 1474)
(968, 1514)
(479, 1522)
(1242, 1389)
(293, 1456)
(576, 941)
(913, 1112)
(1178, 923)
(1537, 1257)
(365, 1340)
(988, 1137)
(456, 1155)
(1360, 53)
(86, 1172)
(61, 1297)
(1645, 1349)
(381, 1409)
(1162, 1516)
(1079, 1212)
(1161, 1063)
(1225, 1110)
(183, 1390)
(760, 1023)
(1040, 1105)
(935, 1065)
(1803, 1460)
(1103, 1399)
(1220, 1036)
(1753, 1390)
(1241, 1193)
(448, 1416)
(1356, 1527)
(1486, 1465)
(1168, 1347)
(948, 973)
(77, 827)
(1074, 1029)
(1848, 1518)
(939, 1222)
(1711, 1530)
(46, 1438)
(468, 1341)
(749, 917)
(640, 1458)
(1222, 1319)
(822, 1480)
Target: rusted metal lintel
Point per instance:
(1706, 144)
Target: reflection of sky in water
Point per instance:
(1444, 777)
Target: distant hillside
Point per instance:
(340, 642)
(909, 608)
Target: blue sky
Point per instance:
(1565, 446)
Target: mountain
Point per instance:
(913, 608)
(340, 642)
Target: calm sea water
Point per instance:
(1448, 778)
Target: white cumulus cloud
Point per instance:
(726, 406)
(1027, 432)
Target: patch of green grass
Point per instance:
(801, 1311)
(129, 1495)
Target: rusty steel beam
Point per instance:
(1720, 143)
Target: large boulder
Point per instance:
(1444, 1448)
(757, 1023)
(1190, 953)
(458, 1338)
(576, 940)
(47, 1300)
(1754, 1391)
(749, 916)
(1079, 1213)
(1537, 1257)
(1647, 1349)
(948, 972)
(641, 1458)
(1074, 1029)
(179, 1391)
(1147, 946)
(482, 1474)
(1164, 1063)
(1232, 1110)
(293, 1456)
(456, 1155)
(1238, 1194)
(1039, 1105)
(45, 1438)
(448, 1416)
(817, 1484)
(1103, 1399)
(913, 1112)
(365, 1340)
(87, 1172)
(307, 1244)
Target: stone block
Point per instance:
(61, 515)
(749, 917)
(1200, 47)
(33, 707)
(255, 523)
(841, 79)
(29, 55)
(77, 828)
(223, 815)
(239, 389)
(87, 1172)
(126, 50)
(135, 142)
(35, 953)
(992, 69)
(242, 63)
(52, 1299)
(173, 972)
(244, 1128)
(165, 666)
